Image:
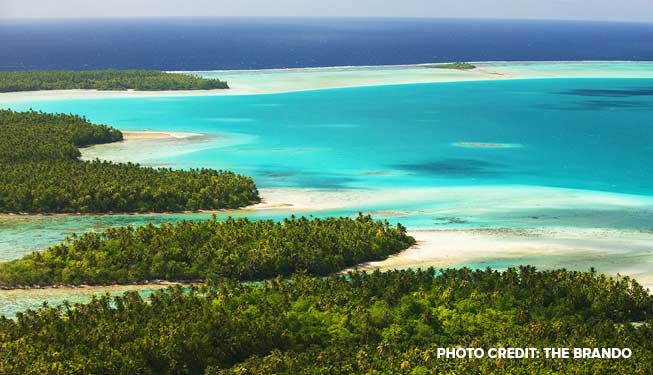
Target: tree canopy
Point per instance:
(197, 250)
(455, 65)
(378, 323)
(110, 79)
(38, 136)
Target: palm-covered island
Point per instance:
(40, 173)
(109, 79)
(236, 248)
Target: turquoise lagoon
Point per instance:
(592, 134)
(584, 137)
(484, 154)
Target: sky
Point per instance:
(614, 10)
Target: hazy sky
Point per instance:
(618, 10)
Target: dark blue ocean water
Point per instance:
(259, 43)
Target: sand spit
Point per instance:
(129, 135)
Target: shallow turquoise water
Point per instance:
(10, 305)
(578, 133)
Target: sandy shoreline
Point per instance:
(610, 251)
(131, 135)
(478, 199)
(23, 96)
(61, 290)
(275, 81)
(141, 146)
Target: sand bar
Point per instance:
(129, 135)
(452, 199)
(610, 251)
(142, 145)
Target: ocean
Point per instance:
(265, 43)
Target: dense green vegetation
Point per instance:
(141, 80)
(192, 250)
(40, 172)
(38, 136)
(104, 187)
(380, 323)
(456, 65)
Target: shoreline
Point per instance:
(249, 82)
(613, 252)
(132, 135)
(324, 200)
(138, 146)
(158, 284)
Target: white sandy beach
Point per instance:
(144, 134)
(141, 145)
(610, 251)
(452, 199)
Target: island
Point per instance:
(110, 79)
(396, 322)
(199, 250)
(40, 173)
(455, 65)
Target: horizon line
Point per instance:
(141, 17)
